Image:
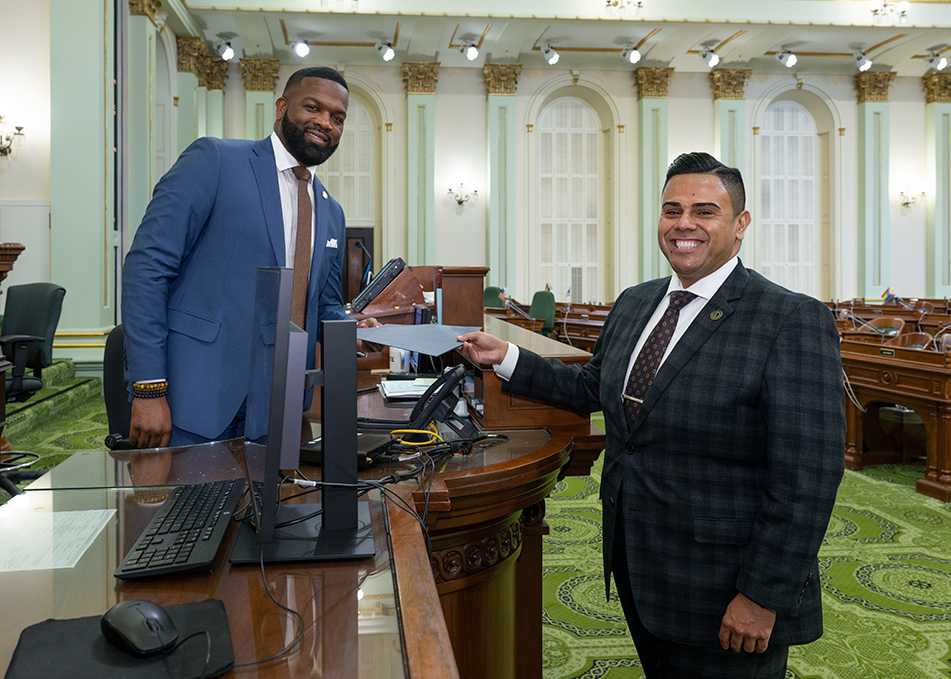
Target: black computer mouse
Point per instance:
(138, 627)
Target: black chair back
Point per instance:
(115, 389)
(34, 309)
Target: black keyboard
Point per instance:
(186, 532)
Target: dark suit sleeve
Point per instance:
(803, 407)
(173, 221)
(330, 296)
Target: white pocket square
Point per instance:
(332, 243)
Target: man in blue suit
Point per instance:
(721, 474)
(224, 209)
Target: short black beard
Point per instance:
(296, 141)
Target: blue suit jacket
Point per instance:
(730, 471)
(188, 281)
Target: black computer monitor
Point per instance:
(339, 527)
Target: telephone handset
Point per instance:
(438, 394)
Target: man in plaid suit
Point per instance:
(719, 482)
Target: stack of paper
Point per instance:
(409, 390)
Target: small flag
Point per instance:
(568, 294)
(502, 294)
(888, 295)
(547, 287)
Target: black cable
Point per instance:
(204, 670)
(300, 621)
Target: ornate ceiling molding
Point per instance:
(212, 73)
(652, 82)
(501, 78)
(190, 53)
(148, 8)
(259, 75)
(729, 83)
(937, 88)
(421, 76)
(873, 85)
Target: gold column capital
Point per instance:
(873, 85)
(937, 88)
(259, 75)
(148, 8)
(190, 52)
(212, 72)
(501, 78)
(652, 82)
(729, 83)
(421, 76)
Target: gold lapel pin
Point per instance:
(716, 315)
(324, 194)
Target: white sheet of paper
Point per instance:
(41, 541)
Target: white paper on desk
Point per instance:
(432, 340)
(406, 388)
(34, 541)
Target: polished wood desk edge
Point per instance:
(425, 635)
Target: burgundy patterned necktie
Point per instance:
(301, 248)
(648, 360)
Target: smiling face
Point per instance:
(309, 119)
(698, 232)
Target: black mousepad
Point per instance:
(73, 649)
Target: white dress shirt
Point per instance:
(287, 182)
(704, 289)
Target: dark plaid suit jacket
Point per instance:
(730, 472)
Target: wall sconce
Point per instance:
(893, 10)
(9, 139)
(907, 199)
(461, 197)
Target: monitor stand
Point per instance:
(306, 540)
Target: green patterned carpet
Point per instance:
(886, 574)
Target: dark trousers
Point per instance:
(234, 430)
(662, 659)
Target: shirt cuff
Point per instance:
(506, 368)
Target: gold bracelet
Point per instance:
(150, 389)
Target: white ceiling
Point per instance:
(746, 34)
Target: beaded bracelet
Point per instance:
(150, 389)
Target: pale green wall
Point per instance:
(500, 119)
(938, 196)
(420, 158)
(873, 214)
(652, 160)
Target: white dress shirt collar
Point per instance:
(707, 286)
(283, 157)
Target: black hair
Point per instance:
(703, 163)
(323, 72)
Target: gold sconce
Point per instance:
(907, 198)
(8, 139)
(461, 197)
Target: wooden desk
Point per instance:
(395, 630)
(919, 380)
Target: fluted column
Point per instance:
(937, 88)
(501, 81)
(729, 115)
(873, 227)
(212, 72)
(420, 79)
(191, 98)
(652, 160)
(260, 78)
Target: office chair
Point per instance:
(30, 318)
(886, 325)
(115, 390)
(491, 298)
(543, 307)
(911, 340)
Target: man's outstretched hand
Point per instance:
(483, 348)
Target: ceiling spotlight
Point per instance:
(551, 56)
(709, 56)
(631, 54)
(936, 61)
(861, 61)
(787, 58)
(224, 50)
(386, 51)
(301, 48)
(470, 50)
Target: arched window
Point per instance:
(568, 189)
(351, 173)
(788, 245)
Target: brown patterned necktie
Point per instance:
(301, 248)
(648, 359)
